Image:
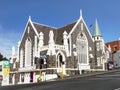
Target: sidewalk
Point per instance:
(85, 75)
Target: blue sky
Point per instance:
(56, 13)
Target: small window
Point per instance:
(115, 48)
(81, 35)
(81, 26)
(28, 39)
(62, 41)
(97, 38)
(28, 30)
(68, 41)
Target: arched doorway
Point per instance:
(60, 64)
(60, 60)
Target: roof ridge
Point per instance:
(44, 25)
(67, 25)
(112, 41)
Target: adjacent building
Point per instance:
(115, 49)
(45, 52)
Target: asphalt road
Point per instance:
(108, 81)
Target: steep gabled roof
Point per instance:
(60, 31)
(45, 30)
(42, 28)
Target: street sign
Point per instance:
(43, 56)
(6, 67)
(6, 64)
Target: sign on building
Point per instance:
(5, 72)
(6, 67)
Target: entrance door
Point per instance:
(31, 76)
(61, 63)
(60, 60)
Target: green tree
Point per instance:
(2, 57)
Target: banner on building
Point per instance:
(6, 71)
(6, 67)
(6, 64)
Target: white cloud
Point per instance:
(8, 38)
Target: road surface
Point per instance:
(108, 81)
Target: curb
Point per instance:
(84, 75)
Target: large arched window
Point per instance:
(82, 48)
(21, 58)
(28, 47)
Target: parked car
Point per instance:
(110, 65)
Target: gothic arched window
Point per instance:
(82, 48)
(28, 47)
(21, 58)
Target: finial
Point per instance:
(80, 13)
(65, 33)
(29, 17)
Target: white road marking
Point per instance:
(107, 75)
(103, 78)
(117, 89)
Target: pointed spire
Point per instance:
(96, 29)
(80, 13)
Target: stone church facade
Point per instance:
(51, 51)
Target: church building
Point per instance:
(46, 52)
